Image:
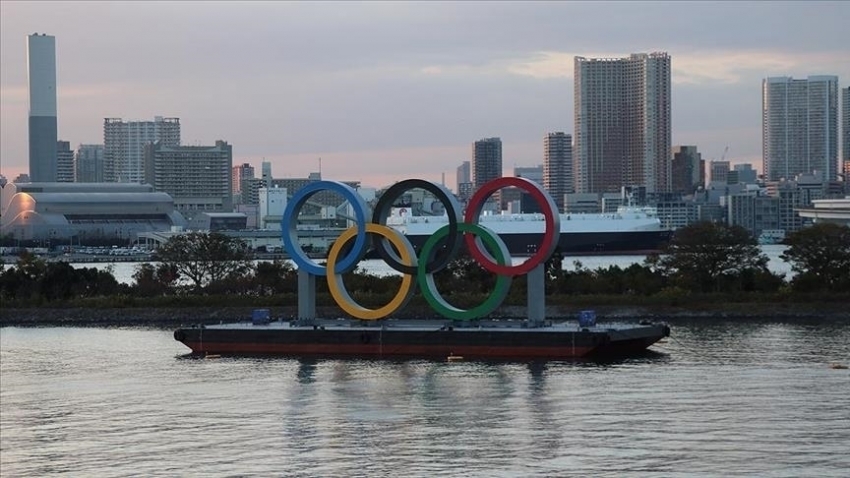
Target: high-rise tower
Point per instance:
(623, 123)
(845, 132)
(124, 145)
(486, 161)
(799, 127)
(558, 166)
(41, 68)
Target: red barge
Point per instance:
(490, 339)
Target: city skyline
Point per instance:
(303, 81)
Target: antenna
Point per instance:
(320, 167)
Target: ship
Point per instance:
(630, 230)
(503, 339)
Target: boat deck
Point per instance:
(424, 325)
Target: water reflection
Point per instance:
(715, 399)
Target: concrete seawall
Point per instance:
(173, 317)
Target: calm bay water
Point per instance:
(717, 399)
(123, 271)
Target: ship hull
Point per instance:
(578, 243)
(402, 339)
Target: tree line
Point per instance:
(214, 269)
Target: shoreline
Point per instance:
(168, 317)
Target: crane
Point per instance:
(726, 150)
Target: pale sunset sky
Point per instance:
(390, 90)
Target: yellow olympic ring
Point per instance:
(337, 287)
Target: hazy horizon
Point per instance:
(385, 91)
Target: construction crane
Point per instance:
(726, 150)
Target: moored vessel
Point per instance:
(630, 230)
(491, 339)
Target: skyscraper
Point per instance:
(124, 144)
(687, 170)
(486, 161)
(41, 68)
(558, 177)
(623, 123)
(799, 127)
(845, 131)
(64, 162)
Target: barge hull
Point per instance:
(479, 343)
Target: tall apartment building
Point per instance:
(124, 145)
(486, 163)
(41, 70)
(88, 163)
(64, 162)
(687, 170)
(239, 175)
(845, 132)
(558, 178)
(623, 123)
(799, 127)
(196, 177)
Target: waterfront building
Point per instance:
(798, 192)
(80, 212)
(800, 127)
(486, 163)
(124, 145)
(64, 162)
(197, 177)
(754, 212)
(89, 163)
(558, 178)
(623, 123)
(687, 170)
(41, 69)
(836, 211)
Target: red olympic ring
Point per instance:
(551, 234)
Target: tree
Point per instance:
(153, 281)
(709, 257)
(275, 278)
(205, 258)
(820, 256)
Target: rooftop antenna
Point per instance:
(320, 167)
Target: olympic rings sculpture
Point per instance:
(485, 246)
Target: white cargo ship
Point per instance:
(630, 230)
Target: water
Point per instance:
(123, 271)
(718, 399)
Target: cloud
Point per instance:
(694, 67)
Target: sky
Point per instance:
(391, 90)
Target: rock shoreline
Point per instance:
(175, 317)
